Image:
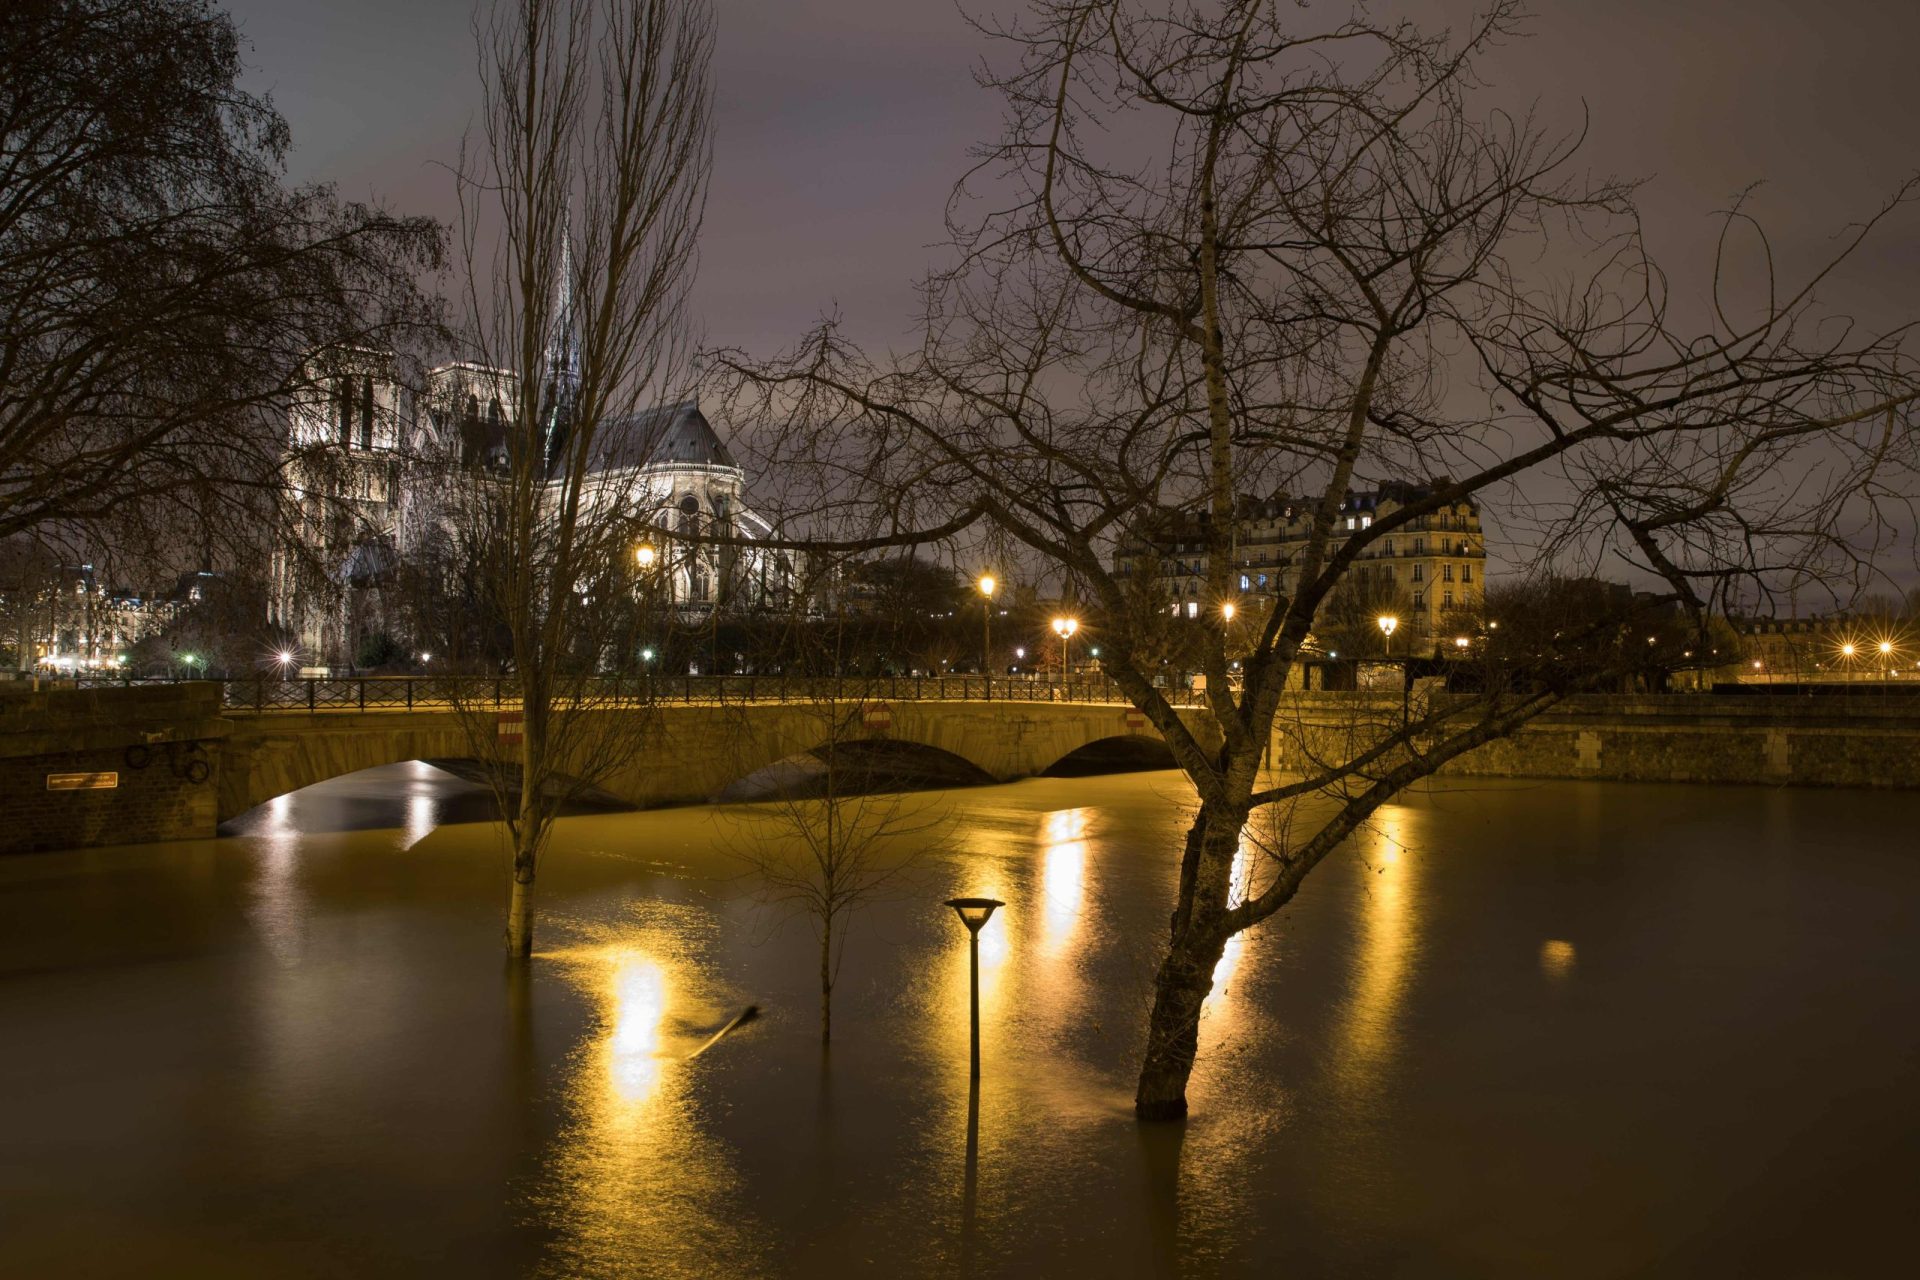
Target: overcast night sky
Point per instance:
(843, 123)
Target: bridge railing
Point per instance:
(404, 693)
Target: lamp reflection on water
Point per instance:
(637, 992)
(1369, 1026)
(635, 1173)
(1063, 875)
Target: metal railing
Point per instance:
(407, 693)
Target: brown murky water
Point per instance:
(1520, 1030)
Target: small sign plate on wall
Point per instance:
(82, 781)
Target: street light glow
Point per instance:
(1064, 627)
(986, 585)
(643, 555)
(1227, 611)
(1387, 623)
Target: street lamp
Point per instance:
(1387, 624)
(986, 585)
(1064, 628)
(974, 913)
(643, 555)
(1227, 611)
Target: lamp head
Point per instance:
(1064, 627)
(644, 554)
(1228, 609)
(1387, 623)
(974, 912)
(986, 585)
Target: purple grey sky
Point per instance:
(843, 123)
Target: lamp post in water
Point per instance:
(974, 912)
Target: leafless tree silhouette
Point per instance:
(1238, 247)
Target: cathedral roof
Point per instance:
(676, 434)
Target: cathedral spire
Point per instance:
(563, 346)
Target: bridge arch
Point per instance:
(1115, 753)
(868, 766)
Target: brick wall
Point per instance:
(157, 741)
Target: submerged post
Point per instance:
(974, 912)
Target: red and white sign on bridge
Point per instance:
(512, 728)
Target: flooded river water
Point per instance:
(1516, 1030)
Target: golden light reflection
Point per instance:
(1369, 1023)
(1556, 958)
(635, 1174)
(279, 908)
(637, 995)
(1063, 874)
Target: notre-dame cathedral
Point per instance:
(367, 461)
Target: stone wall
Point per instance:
(1779, 741)
(152, 753)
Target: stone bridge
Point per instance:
(680, 754)
(127, 765)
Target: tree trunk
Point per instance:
(520, 913)
(1186, 975)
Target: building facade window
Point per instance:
(1446, 572)
(1466, 573)
(1419, 573)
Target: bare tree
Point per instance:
(1227, 250)
(581, 206)
(161, 290)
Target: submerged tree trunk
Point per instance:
(1181, 987)
(520, 911)
(528, 833)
